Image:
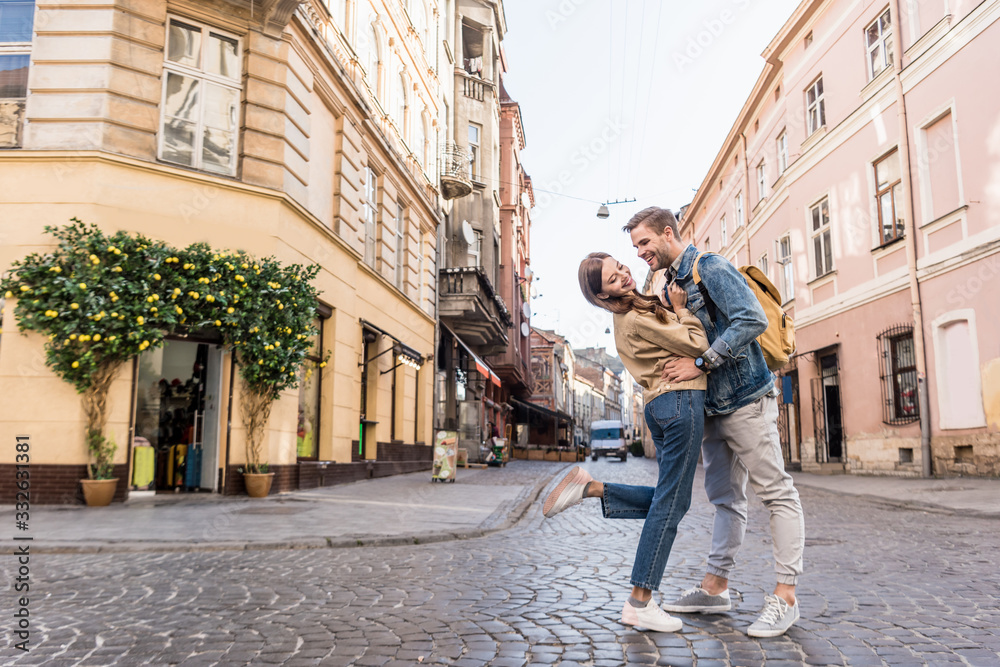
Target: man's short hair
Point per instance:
(655, 218)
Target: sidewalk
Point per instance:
(969, 496)
(404, 509)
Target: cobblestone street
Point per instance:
(884, 586)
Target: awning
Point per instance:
(554, 414)
(481, 366)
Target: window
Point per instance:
(822, 250)
(201, 98)
(399, 106)
(16, 27)
(708, 244)
(474, 133)
(370, 215)
(761, 181)
(419, 147)
(738, 204)
(762, 263)
(420, 271)
(722, 232)
(878, 43)
(808, 40)
(889, 192)
(338, 9)
(815, 106)
(784, 255)
(941, 187)
(368, 55)
(307, 433)
(959, 375)
(898, 372)
(400, 247)
(782, 150)
(418, 14)
(476, 250)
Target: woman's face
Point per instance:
(616, 279)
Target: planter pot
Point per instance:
(535, 455)
(99, 492)
(520, 453)
(258, 484)
(552, 456)
(567, 457)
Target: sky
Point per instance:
(621, 100)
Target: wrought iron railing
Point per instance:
(456, 171)
(459, 280)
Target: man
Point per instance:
(741, 431)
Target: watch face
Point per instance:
(699, 362)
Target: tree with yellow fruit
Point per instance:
(101, 299)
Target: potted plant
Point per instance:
(103, 299)
(72, 296)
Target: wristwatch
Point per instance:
(701, 364)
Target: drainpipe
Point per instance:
(911, 253)
(746, 194)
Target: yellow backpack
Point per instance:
(778, 340)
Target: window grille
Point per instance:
(898, 375)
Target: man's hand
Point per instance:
(679, 369)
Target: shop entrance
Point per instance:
(177, 418)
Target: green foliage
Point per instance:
(102, 451)
(103, 298)
(635, 448)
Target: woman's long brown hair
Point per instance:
(591, 284)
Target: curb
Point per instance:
(905, 504)
(506, 516)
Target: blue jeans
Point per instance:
(676, 421)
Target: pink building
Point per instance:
(862, 176)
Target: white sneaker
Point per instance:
(650, 617)
(775, 618)
(568, 493)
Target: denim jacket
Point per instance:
(739, 374)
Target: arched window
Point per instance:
(399, 104)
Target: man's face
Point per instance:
(653, 248)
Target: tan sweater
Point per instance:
(644, 344)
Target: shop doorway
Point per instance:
(177, 416)
(827, 414)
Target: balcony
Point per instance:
(472, 309)
(456, 171)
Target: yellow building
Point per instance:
(300, 130)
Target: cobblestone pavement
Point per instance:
(884, 586)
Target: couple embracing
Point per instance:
(706, 387)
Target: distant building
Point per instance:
(548, 418)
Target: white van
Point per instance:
(607, 438)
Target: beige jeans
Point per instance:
(741, 446)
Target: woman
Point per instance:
(646, 334)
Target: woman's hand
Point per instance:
(678, 296)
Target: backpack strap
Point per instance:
(701, 287)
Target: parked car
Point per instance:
(607, 438)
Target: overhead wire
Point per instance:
(611, 41)
(652, 80)
(621, 98)
(635, 98)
